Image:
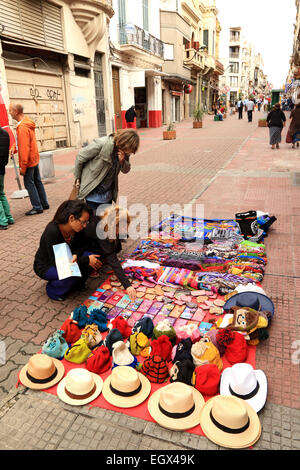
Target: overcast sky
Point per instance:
(268, 25)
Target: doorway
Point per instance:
(99, 92)
(140, 100)
(117, 97)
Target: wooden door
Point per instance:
(117, 97)
(99, 92)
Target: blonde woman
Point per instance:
(104, 234)
(98, 165)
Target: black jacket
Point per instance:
(4, 150)
(276, 118)
(130, 114)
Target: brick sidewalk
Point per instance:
(227, 166)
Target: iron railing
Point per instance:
(140, 37)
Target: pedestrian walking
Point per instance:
(294, 128)
(245, 102)
(29, 158)
(250, 110)
(130, 115)
(240, 107)
(98, 165)
(66, 227)
(6, 218)
(276, 121)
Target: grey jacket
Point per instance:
(93, 163)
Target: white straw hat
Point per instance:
(79, 387)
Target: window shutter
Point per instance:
(145, 15)
(33, 21)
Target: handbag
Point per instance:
(289, 137)
(75, 190)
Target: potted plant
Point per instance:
(198, 114)
(169, 133)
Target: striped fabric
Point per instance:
(155, 369)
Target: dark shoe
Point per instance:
(10, 222)
(33, 212)
(46, 208)
(3, 227)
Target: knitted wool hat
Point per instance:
(122, 325)
(138, 342)
(207, 379)
(56, 345)
(80, 316)
(183, 351)
(155, 369)
(212, 336)
(98, 317)
(92, 335)
(237, 350)
(204, 352)
(99, 360)
(113, 336)
(71, 331)
(144, 325)
(162, 347)
(78, 352)
(182, 371)
(164, 328)
(188, 331)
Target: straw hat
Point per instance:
(176, 406)
(242, 381)
(126, 387)
(230, 422)
(79, 387)
(41, 372)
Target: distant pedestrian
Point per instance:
(294, 129)
(276, 120)
(29, 158)
(245, 102)
(5, 215)
(250, 110)
(240, 107)
(130, 115)
(259, 105)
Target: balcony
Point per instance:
(139, 39)
(194, 59)
(234, 55)
(219, 68)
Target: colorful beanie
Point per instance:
(182, 371)
(138, 342)
(99, 360)
(78, 352)
(237, 350)
(79, 315)
(162, 347)
(113, 336)
(165, 328)
(71, 330)
(144, 325)
(98, 317)
(207, 379)
(182, 351)
(155, 369)
(92, 335)
(122, 325)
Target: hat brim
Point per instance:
(224, 439)
(34, 386)
(264, 301)
(175, 424)
(73, 401)
(258, 401)
(127, 402)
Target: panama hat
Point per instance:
(176, 406)
(250, 299)
(126, 387)
(41, 372)
(230, 422)
(242, 381)
(79, 387)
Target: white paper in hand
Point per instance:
(63, 260)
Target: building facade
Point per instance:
(54, 60)
(294, 71)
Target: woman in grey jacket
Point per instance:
(98, 165)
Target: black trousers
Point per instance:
(240, 113)
(250, 116)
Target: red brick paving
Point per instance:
(228, 167)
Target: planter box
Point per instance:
(197, 124)
(169, 135)
(262, 123)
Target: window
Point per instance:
(145, 15)
(234, 81)
(234, 35)
(205, 37)
(234, 52)
(234, 67)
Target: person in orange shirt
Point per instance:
(29, 158)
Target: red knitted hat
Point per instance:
(155, 369)
(99, 361)
(207, 379)
(237, 350)
(71, 331)
(162, 347)
(122, 325)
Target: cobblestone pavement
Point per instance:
(227, 167)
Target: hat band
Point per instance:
(126, 394)
(176, 415)
(41, 381)
(229, 430)
(245, 397)
(80, 397)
